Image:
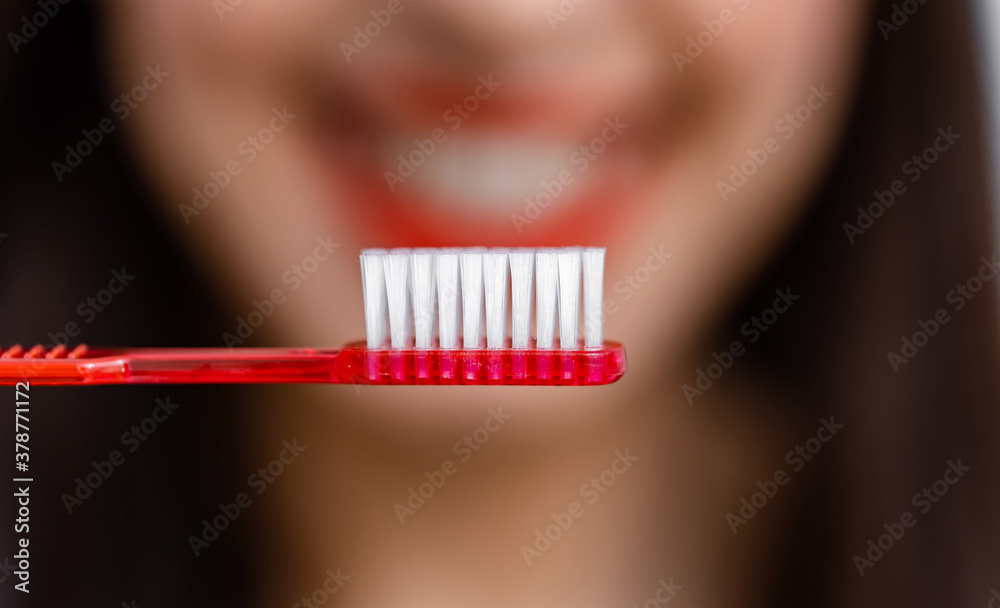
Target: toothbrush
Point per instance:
(432, 317)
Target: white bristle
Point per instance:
(424, 296)
(546, 297)
(373, 287)
(446, 271)
(427, 298)
(593, 297)
(496, 282)
(570, 261)
(522, 283)
(397, 287)
(472, 297)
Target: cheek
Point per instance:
(802, 42)
(776, 50)
(776, 83)
(237, 34)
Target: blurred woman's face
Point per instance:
(684, 135)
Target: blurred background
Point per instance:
(799, 205)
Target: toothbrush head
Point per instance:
(464, 316)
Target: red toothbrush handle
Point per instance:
(353, 364)
(165, 365)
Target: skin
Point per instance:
(334, 507)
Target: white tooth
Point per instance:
(496, 281)
(569, 297)
(397, 286)
(472, 297)
(593, 297)
(448, 293)
(522, 283)
(373, 287)
(546, 297)
(424, 296)
(489, 171)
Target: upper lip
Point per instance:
(409, 98)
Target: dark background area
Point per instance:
(128, 540)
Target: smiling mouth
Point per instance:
(496, 166)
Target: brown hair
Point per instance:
(862, 293)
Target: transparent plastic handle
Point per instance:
(353, 364)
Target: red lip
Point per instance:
(409, 95)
